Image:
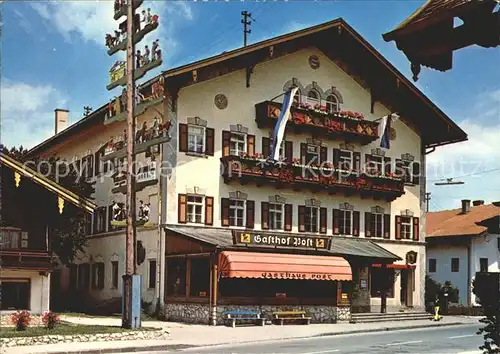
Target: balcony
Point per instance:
(315, 178)
(14, 251)
(345, 125)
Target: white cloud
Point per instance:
(28, 112)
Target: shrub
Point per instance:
(50, 319)
(21, 319)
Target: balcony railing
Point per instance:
(25, 259)
(317, 178)
(317, 119)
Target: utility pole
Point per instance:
(427, 200)
(246, 15)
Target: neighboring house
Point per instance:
(222, 111)
(29, 202)
(461, 242)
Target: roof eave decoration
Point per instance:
(64, 194)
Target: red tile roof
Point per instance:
(447, 223)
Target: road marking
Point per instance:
(464, 336)
(403, 343)
(323, 351)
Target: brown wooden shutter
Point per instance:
(387, 165)
(397, 231)
(357, 160)
(209, 141)
(323, 154)
(250, 214)
(182, 209)
(322, 220)
(266, 147)
(183, 137)
(415, 178)
(355, 223)
(387, 226)
(368, 159)
(398, 168)
(416, 229)
(289, 151)
(224, 211)
(226, 141)
(288, 217)
(264, 215)
(336, 221)
(302, 218)
(100, 272)
(251, 144)
(368, 224)
(209, 210)
(336, 158)
(303, 153)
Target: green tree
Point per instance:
(68, 233)
(489, 301)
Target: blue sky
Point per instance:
(53, 56)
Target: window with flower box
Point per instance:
(313, 97)
(408, 170)
(195, 209)
(285, 152)
(332, 104)
(237, 143)
(377, 165)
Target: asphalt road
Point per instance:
(437, 340)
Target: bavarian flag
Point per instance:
(385, 130)
(279, 128)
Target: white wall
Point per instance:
(484, 247)
(40, 288)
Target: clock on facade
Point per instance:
(220, 101)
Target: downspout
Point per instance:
(469, 272)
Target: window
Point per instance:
(332, 104)
(312, 154)
(83, 276)
(375, 164)
(114, 274)
(72, 276)
(381, 278)
(237, 144)
(345, 222)
(377, 224)
(483, 264)
(199, 277)
(311, 219)
(282, 149)
(296, 98)
(406, 227)
(15, 294)
(196, 139)
(176, 277)
(275, 216)
(313, 97)
(100, 220)
(236, 212)
(408, 170)
(346, 160)
(98, 275)
(152, 274)
(432, 265)
(195, 209)
(455, 265)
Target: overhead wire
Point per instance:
(466, 175)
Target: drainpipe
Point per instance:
(469, 273)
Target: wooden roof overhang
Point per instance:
(48, 184)
(429, 37)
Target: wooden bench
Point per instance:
(231, 317)
(279, 317)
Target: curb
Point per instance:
(169, 347)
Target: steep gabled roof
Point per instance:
(449, 223)
(48, 184)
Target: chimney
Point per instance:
(478, 202)
(61, 120)
(465, 206)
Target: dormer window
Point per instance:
(332, 104)
(313, 97)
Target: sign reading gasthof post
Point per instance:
(274, 240)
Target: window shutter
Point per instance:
(336, 158)
(209, 141)
(289, 151)
(323, 154)
(322, 220)
(226, 141)
(264, 216)
(250, 214)
(303, 153)
(209, 210)
(183, 137)
(397, 233)
(368, 159)
(302, 218)
(368, 224)
(416, 229)
(415, 178)
(94, 221)
(387, 165)
(100, 272)
(224, 211)
(251, 144)
(398, 168)
(266, 147)
(357, 160)
(336, 221)
(387, 226)
(288, 217)
(182, 209)
(355, 223)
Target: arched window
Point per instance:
(332, 104)
(313, 97)
(296, 98)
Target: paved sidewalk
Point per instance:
(183, 335)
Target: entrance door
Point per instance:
(404, 287)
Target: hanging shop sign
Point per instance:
(276, 240)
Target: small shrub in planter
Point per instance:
(50, 319)
(21, 319)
